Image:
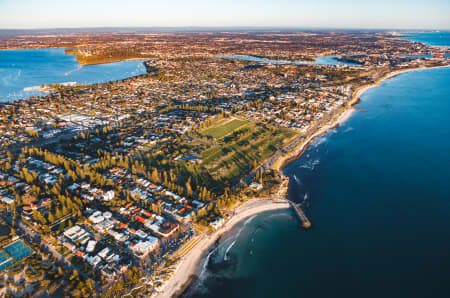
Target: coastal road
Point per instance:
(270, 162)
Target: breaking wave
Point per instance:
(310, 164)
(203, 273)
(348, 129)
(296, 179)
(305, 198)
(319, 141)
(225, 257)
(248, 221)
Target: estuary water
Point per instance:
(20, 69)
(377, 192)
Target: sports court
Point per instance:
(13, 252)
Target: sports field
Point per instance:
(223, 128)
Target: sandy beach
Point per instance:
(192, 262)
(297, 152)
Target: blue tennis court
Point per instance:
(18, 250)
(5, 260)
(13, 252)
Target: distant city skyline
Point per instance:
(383, 14)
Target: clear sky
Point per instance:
(400, 14)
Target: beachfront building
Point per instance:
(256, 186)
(217, 223)
(144, 247)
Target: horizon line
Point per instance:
(226, 27)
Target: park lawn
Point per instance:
(242, 162)
(233, 160)
(212, 154)
(223, 128)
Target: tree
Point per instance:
(90, 285)
(155, 175)
(74, 275)
(189, 188)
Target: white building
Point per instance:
(91, 246)
(7, 200)
(93, 260)
(217, 223)
(108, 196)
(144, 247)
(76, 233)
(96, 217)
(103, 253)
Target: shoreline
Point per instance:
(341, 117)
(192, 263)
(115, 61)
(107, 62)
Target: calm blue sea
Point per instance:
(378, 194)
(26, 68)
(431, 38)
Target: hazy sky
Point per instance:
(403, 14)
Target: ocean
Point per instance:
(377, 192)
(20, 69)
(437, 38)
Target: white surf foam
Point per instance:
(225, 257)
(248, 221)
(310, 164)
(203, 273)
